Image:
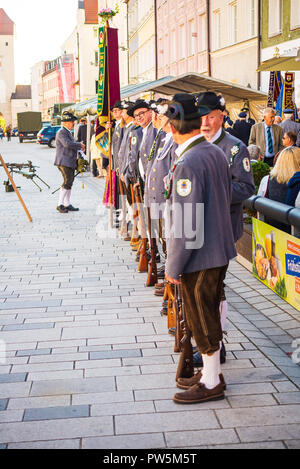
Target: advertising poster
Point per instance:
(276, 261)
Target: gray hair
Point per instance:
(254, 152)
(269, 110)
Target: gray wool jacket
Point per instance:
(199, 229)
(160, 167)
(116, 143)
(66, 149)
(243, 186)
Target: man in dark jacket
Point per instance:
(242, 128)
(66, 160)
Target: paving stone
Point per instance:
(52, 413)
(122, 408)
(125, 383)
(12, 377)
(11, 416)
(230, 418)
(269, 432)
(293, 444)
(251, 400)
(54, 444)
(3, 404)
(37, 402)
(164, 422)
(56, 429)
(204, 437)
(102, 398)
(115, 354)
(72, 386)
(285, 386)
(149, 441)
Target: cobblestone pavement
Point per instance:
(89, 362)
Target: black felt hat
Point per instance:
(139, 104)
(67, 116)
(185, 107)
(211, 100)
(118, 105)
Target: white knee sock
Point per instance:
(62, 194)
(210, 371)
(223, 313)
(67, 198)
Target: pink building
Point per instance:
(181, 37)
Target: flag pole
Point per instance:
(109, 130)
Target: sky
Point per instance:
(41, 27)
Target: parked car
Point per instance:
(46, 135)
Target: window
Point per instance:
(252, 18)
(275, 17)
(295, 14)
(202, 33)
(182, 41)
(192, 37)
(216, 29)
(233, 21)
(173, 46)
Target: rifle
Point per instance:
(143, 262)
(134, 233)
(123, 229)
(185, 368)
(152, 271)
(17, 168)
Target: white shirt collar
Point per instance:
(216, 136)
(146, 128)
(180, 149)
(129, 124)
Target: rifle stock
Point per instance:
(152, 271)
(134, 233)
(185, 368)
(123, 229)
(143, 262)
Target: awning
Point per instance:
(235, 95)
(281, 63)
(195, 83)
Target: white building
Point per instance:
(7, 67)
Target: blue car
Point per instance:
(46, 135)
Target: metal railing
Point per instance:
(275, 210)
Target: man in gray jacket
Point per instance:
(66, 160)
(289, 125)
(200, 240)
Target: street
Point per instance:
(88, 360)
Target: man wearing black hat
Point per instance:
(66, 160)
(238, 159)
(289, 125)
(200, 240)
(248, 118)
(242, 128)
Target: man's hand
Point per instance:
(82, 146)
(175, 281)
(108, 125)
(122, 178)
(137, 184)
(117, 172)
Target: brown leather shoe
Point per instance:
(187, 383)
(159, 292)
(160, 285)
(199, 393)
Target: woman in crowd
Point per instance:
(275, 186)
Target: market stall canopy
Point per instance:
(236, 96)
(286, 62)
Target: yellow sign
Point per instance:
(276, 261)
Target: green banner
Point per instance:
(101, 76)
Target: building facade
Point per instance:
(281, 30)
(20, 102)
(7, 68)
(82, 44)
(141, 40)
(234, 42)
(37, 72)
(181, 37)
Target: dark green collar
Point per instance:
(223, 134)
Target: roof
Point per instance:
(6, 24)
(187, 83)
(22, 92)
